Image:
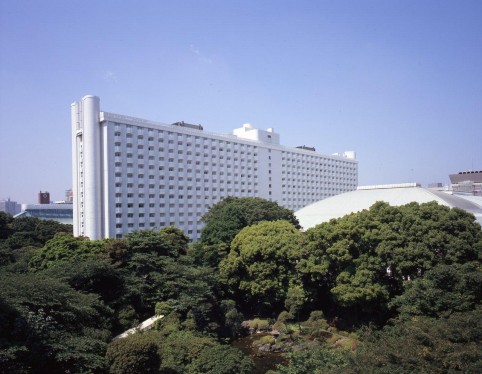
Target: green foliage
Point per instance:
(118, 251)
(443, 290)
(359, 288)
(157, 270)
(28, 231)
(209, 255)
(186, 288)
(285, 316)
(227, 218)
(163, 308)
(169, 241)
(180, 349)
(220, 359)
(60, 304)
(91, 275)
(295, 299)
(64, 248)
(316, 326)
(5, 225)
(361, 261)
(16, 260)
(258, 324)
(177, 241)
(316, 360)
(49, 327)
(261, 264)
(316, 315)
(137, 353)
(424, 345)
(267, 339)
(232, 318)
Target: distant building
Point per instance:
(135, 174)
(467, 182)
(10, 207)
(62, 213)
(69, 196)
(44, 197)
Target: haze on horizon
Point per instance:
(399, 82)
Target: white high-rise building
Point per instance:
(134, 174)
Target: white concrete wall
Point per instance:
(148, 175)
(87, 168)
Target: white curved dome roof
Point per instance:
(355, 201)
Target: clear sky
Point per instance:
(399, 82)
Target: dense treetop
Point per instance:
(260, 267)
(228, 217)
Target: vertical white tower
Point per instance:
(87, 167)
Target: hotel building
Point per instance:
(134, 174)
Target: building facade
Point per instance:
(134, 174)
(62, 213)
(467, 182)
(10, 207)
(44, 197)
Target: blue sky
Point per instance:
(399, 82)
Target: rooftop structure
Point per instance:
(134, 174)
(62, 213)
(43, 197)
(467, 182)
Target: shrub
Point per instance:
(268, 339)
(316, 326)
(263, 324)
(136, 353)
(258, 324)
(316, 315)
(285, 316)
(281, 327)
(221, 359)
(332, 339)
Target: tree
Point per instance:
(423, 345)
(65, 247)
(443, 290)
(315, 360)
(5, 225)
(169, 241)
(228, 217)
(91, 275)
(179, 349)
(295, 299)
(221, 359)
(46, 326)
(158, 270)
(361, 261)
(137, 353)
(261, 264)
(26, 231)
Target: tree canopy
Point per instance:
(228, 217)
(388, 290)
(260, 267)
(362, 261)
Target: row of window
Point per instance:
(119, 195)
(174, 137)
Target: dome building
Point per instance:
(394, 194)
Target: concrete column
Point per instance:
(87, 169)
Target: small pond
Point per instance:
(263, 361)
